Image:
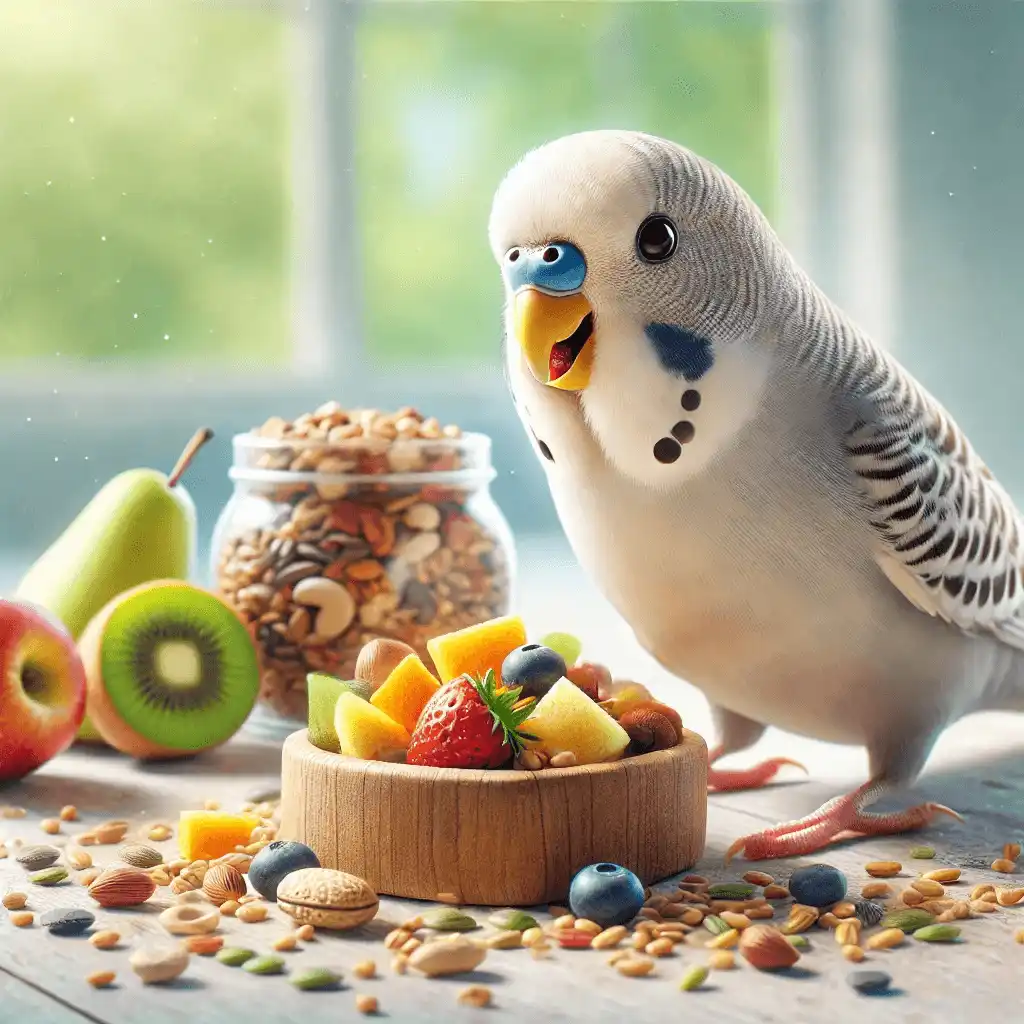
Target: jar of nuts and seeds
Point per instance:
(347, 525)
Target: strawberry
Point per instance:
(470, 723)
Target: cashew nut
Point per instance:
(190, 919)
(158, 963)
(335, 606)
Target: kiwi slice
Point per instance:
(172, 670)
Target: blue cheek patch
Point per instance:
(681, 351)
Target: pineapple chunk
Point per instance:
(476, 649)
(567, 719)
(405, 692)
(365, 731)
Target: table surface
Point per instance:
(977, 768)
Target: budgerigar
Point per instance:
(782, 514)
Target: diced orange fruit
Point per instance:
(207, 835)
(365, 731)
(405, 692)
(476, 649)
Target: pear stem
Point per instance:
(199, 438)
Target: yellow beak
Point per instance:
(557, 337)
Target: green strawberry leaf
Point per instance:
(501, 705)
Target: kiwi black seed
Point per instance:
(179, 667)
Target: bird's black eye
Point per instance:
(656, 239)
(513, 255)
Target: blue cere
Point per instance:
(681, 351)
(559, 268)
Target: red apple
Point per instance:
(42, 689)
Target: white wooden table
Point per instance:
(978, 769)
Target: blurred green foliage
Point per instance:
(144, 153)
(143, 181)
(450, 95)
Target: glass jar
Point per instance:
(326, 546)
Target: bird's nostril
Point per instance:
(513, 256)
(550, 254)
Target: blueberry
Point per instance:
(280, 858)
(533, 667)
(606, 894)
(817, 885)
(67, 922)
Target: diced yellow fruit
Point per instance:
(567, 719)
(365, 731)
(405, 692)
(476, 649)
(207, 835)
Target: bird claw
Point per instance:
(727, 780)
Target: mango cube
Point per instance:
(207, 835)
(405, 692)
(365, 731)
(567, 719)
(476, 649)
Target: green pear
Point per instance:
(141, 526)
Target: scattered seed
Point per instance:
(853, 953)
(204, 945)
(400, 964)
(799, 941)
(533, 936)
(78, 858)
(937, 933)
(13, 812)
(448, 919)
(907, 920)
(722, 960)
(367, 1004)
(869, 982)
(49, 876)
(758, 878)
(101, 979)
(230, 907)
(365, 969)
(715, 924)
(252, 913)
(307, 933)
(876, 890)
(609, 938)
(883, 868)
(285, 943)
(660, 947)
(911, 898)
(844, 909)
(922, 853)
(501, 940)
(727, 940)
(313, 979)
(158, 833)
(69, 813)
(410, 946)
(1009, 897)
(886, 939)
(235, 956)
(22, 918)
(945, 875)
(1018, 936)
(36, 858)
(477, 996)
(1004, 866)
(1011, 851)
(564, 921)
(14, 901)
(776, 892)
(983, 906)
(928, 888)
(51, 826)
(634, 966)
(266, 964)
(590, 928)
(979, 890)
(105, 940)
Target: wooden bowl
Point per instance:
(495, 838)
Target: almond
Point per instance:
(766, 948)
(122, 887)
(224, 882)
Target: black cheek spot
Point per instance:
(667, 450)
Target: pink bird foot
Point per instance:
(840, 818)
(725, 780)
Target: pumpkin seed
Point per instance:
(799, 941)
(694, 978)
(267, 964)
(234, 956)
(512, 921)
(922, 853)
(716, 925)
(731, 891)
(448, 919)
(908, 920)
(315, 978)
(51, 876)
(937, 933)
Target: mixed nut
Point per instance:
(369, 525)
(610, 912)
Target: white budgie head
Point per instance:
(640, 281)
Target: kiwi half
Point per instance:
(171, 670)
